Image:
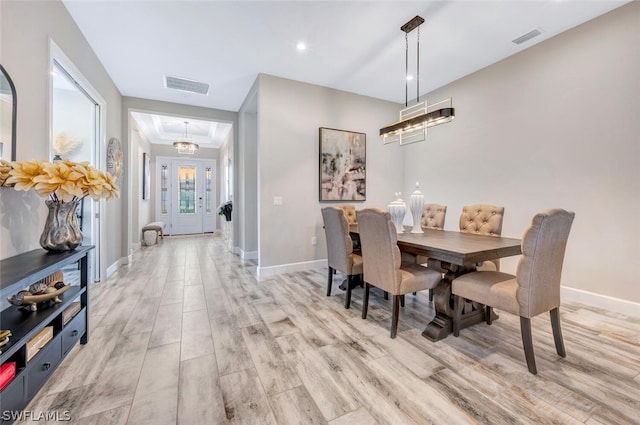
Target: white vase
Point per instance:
(398, 209)
(416, 203)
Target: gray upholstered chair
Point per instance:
(340, 249)
(382, 264)
(433, 217)
(483, 220)
(533, 290)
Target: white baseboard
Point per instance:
(290, 268)
(606, 302)
(249, 255)
(115, 266)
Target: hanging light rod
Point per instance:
(412, 24)
(414, 120)
(430, 119)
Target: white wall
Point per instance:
(289, 116)
(557, 125)
(25, 28)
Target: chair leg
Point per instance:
(557, 332)
(347, 300)
(385, 295)
(394, 317)
(415, 293)
(329, 281)
(488, 311)
(458, 303)
(431, 294)
(365, 300)
(527, 342)
(401, 300)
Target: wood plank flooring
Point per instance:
(186, 334)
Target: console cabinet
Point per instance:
(16, 274)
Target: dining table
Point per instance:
(454, 254)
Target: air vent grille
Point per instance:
(528, 36)
(183, 84)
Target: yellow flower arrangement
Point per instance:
(61, 180)
(5, 167)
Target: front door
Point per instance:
(193, 195)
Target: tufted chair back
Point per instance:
(350, 213)
(540, 267)
(483, 220)
(433, 216)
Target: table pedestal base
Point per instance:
(442, 323)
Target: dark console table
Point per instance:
(16, 274)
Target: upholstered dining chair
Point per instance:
(349, 212)
(533, 290)
(483, 220)
(433, 216)
(340, 250)
(383, 267)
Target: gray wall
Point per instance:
(557, 125)
(247, 223)
(289, 115)
(24, 52)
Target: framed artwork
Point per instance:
(342, 165)
(114, 158)
(146, 176)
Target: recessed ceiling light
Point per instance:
(409, 77)
(301, 46)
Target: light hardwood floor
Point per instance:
(186, 334)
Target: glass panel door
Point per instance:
(187, 189)
(186, 217)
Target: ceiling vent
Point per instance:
(183, 84)
(528, 36)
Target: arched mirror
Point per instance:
(8, 108)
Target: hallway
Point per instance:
(186, 334)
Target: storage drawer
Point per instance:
(12, 399)
(73, 331)
(43, 365)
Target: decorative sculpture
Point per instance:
(416, 203)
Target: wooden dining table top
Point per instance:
(454, 247)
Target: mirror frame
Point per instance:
(14, 111)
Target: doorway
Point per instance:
(186, 195)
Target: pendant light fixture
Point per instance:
(184, 144)
(415, 120)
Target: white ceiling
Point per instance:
(355, 46)
(164, 129)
